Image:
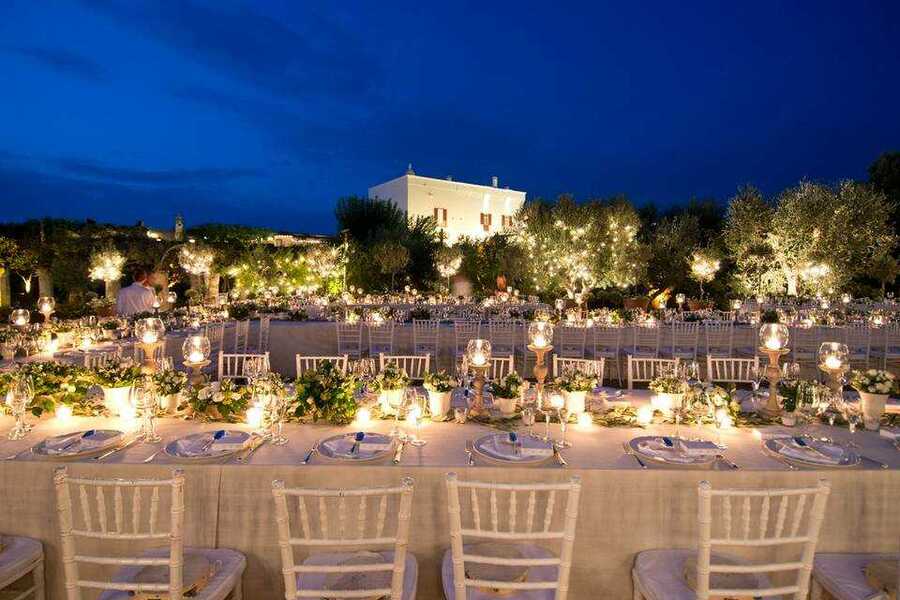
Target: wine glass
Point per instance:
(252, 370)
(146, 403)
(528, 414)
(277, 406)
(415, 412)
(18, 398)
(563, 426)
(407, 398)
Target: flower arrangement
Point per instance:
(392, 377)
(223, 401)
(873, 381)
(508, 387)
(710, 404)
(794, 393)
(326, 393)
(116, 373)
(576, 380)
(54, 384)
(439, 381)
(170, 382)
(668, 384)
(241, 312)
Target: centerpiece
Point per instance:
(507, 392)
(874, 386)
(390, 384)
(794, 394)
(669, 393)
(326, 393)
(219, 401)
(169, 384)
(576, 383)
(116, 378)
(439, 386)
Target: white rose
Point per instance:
(871, 372)
(884, 388)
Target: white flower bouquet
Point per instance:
(873, 381)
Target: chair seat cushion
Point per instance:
(315, 581)
(17, 557)
(534, 574)
(229, 567)
(661, 573)
(844, 575)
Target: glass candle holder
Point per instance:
(540, 334)
(774, 336)
(46, 305)
(833, 356)
(19, 317)
(478, 352)
(195, 349)
(149, 330)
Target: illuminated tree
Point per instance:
(448, 260)
(705, 264)
(106, 265)
(391, 258)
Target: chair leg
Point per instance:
(38, 580)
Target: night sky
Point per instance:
(265, 113)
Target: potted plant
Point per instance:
(326, 393)
(169, 386)
(390, 384)
(507, 391)
(874, 386)
(439, 386)
(791, 396)
(670, 391)
(109, 329)
(116, 378)
(576, 384)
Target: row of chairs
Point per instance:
(375, 522)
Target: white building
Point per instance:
(460, 209)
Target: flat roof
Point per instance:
(451, 181)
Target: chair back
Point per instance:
(349, 339)
(858, 338)
(502, 335)
(265, 322)
(344, 519)
(731, 370)
(426, 333)
(585, 365)
(305, 363)
(572, 339)
(501, 366)
(719, 337)
(235, 366)
(785, 519)
(643, 370)
(544, 518)
(216, 333)
(414, 366)
(804, 343)
(107, 515)
(381, 338)
(241, 333)
(646, 340)
(607, 341)
(685, 338)
(463, 331)
(93, 360)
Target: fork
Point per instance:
(471, 460)
(627, 449)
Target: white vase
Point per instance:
(64, 339)
(575, 402)
(169, 404)
(872, 409)
(438, 403)
(390, 400)
(115, 398)
(506, 406)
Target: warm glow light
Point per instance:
(585, 421)
(195, 356)
(832, 362)
(557, 401)
(255, 416)
(757, 434)
(363, 416)
(478, 359)
(128, 413)
(773, 344)
(413, 414)
(64, 413)
(149, 337)
(662, 403)
(645, 415)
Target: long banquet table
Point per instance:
(624, 509)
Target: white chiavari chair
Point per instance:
(719, 338)
(502, 335)
(607, 344)
(349, 339)
(381, 338)
(785, 520)
(235, 366)
(843, 576)
(858, 339)
(572, 339)
(731, 370)
(463, 331)
(544, 517)
(19, 558)
(426, 336)
(305, 363)
(685, 339)
(107, 517)
(93, 360)
(644, 370)
(646, 340)
(241, 335)
(585, 365)
(501, 366)
(891, 350)
(262, 340)
(415, 366)
(804, 344)
(371, 521)
(216, 334)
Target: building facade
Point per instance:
(460, 209)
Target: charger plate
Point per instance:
(654, 449)
(374, 447)
(105, 439)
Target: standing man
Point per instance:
(137, 297)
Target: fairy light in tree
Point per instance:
(704, 268)
(196, 259)
(106, 265)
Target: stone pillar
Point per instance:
(45, 282)
(112, 290)
(212, 287)
(5, 291)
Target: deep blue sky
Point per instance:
(266, 112)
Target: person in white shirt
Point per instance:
(137, 297)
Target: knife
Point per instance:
(471, 459)
(627, 449)
(309, 455)
(124, 446)
(254, 446)
(559, 457)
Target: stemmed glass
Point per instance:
(18, 398)
(757, 373)
(528, 415)
(145, 403)
(252, 370)
(415, 412)
(563, 414)
(277, 406)
(408, 398)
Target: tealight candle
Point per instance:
(540, 341)
(662, 403)
(149, 337)
(195, 356)
(64, 413)
(773, 344)
(363, 416)
(833, 363)
(127, 412)
(413, 414)
(478, 359)
(645, 415)
(557, 401)
(757, 434)
(255, 416)
(585, 421)
(52, 346)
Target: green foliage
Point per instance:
(390, 257)
(391, 377)
(439, 381)
(228, 402)
(116, 373)
(326, 393)
(483, 261)
(54, 384)
(508, 387)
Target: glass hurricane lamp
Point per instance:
(195, 349)
(540, 334)
(774, 336)
(833, 356)
(19, 317)
(46, 305)
(150, 330)
(478, 353)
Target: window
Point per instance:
(486, 221)
(506, 221)
(440, 216)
